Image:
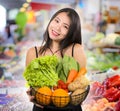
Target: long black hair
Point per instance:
(74, 33)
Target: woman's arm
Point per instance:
(79, 55)
(31, 54)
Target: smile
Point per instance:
(55, 33)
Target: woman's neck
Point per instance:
(55, 46)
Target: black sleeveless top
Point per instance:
(53, 108)
(38, 54)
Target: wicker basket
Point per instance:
(60, 101)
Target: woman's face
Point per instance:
(59, 27)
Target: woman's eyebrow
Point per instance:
(64, 23)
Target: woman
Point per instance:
(62, 37)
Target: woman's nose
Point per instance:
(58, 27)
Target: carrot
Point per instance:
(72, 74)
(82, 71)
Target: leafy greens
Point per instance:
(41, 72)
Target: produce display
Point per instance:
(57, 82)
(111, 39)
(102, 62)
(101, 40)
(105, 52)
(104, 96)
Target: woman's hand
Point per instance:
(32, 98)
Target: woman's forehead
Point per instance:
(63, 16)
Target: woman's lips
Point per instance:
(55, 33)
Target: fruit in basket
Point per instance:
(43, 95)
(60, 98)
(77, 96)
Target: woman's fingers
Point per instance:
(32, 98)
(28, 91)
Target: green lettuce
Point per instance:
(42, 72)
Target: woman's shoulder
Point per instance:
(33, 50)
(77, 46)
(79, 49)
(31, 54)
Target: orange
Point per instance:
(60, 98)
(43, 95)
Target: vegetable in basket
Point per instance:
(78, 89)
(81, 82)
(71, 75)
(41, 72)
(64, 66)
(82, 71)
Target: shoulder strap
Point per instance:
(73, 50)
(36, 52)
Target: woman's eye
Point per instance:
(56, 20)
(66, 27)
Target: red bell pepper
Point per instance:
(113, 81)
(112, 94)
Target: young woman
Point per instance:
(62, 37)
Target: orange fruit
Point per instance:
(60, 98)
(43, 95)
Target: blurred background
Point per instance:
(22, 26)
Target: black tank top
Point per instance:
(38, 54)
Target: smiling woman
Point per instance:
(61, 38)
(59, 27)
